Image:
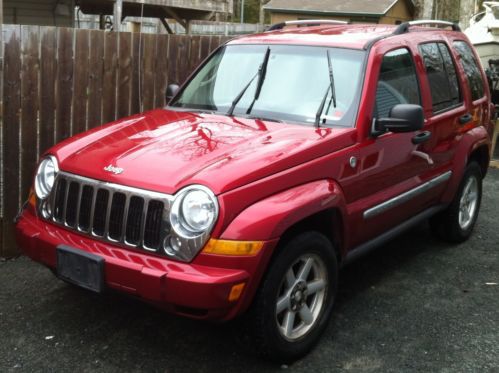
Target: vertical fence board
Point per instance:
(124, 74)
(80, 94)
(135, 106)
(96, 67)
(172, 60)
(11, 116)
(194, 54)
(109, 78)
(148, 76)
(161, 70)
(64, 85)
(29, 104)
(205, 46)
(215, 42)
(48, 69)
(183, 65)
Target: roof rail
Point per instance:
(306, 22)
(404, 27)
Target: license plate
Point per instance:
(80, 268)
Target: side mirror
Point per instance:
(403, 118)
(171, 91)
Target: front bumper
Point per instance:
(199, 289)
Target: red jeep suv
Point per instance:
(284, 156)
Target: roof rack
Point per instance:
(404, 27)
(306, 22)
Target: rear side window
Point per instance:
(470, 67)
(397, 82)
(442, 76)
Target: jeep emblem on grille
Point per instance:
(113, 169)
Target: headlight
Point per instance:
(45, 177)
(194, 211)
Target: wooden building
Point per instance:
(39, 12)
(370, 11)
(62, 12)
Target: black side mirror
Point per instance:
(171, 91)
(402, 118)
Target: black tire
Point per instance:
(445, 225)
(262, 321)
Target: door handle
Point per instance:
(421, 137)
(465, 118)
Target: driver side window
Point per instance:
(397, 84)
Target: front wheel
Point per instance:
(295, 301)
(456, 223)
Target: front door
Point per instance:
(392, 167)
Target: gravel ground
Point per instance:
(414, 305)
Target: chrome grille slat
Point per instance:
(143, 221)
(92, 209)
(78, 205)
(66, 192)
(125, 218)
(108, 214)
(92, 213)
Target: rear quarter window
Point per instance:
(471, 69)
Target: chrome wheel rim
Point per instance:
(301, 297)
(468, 203)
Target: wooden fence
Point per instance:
(58, 82)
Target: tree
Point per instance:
(251, 11)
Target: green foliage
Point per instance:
(251, 11)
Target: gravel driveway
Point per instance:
(414, 305)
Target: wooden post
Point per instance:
(262, 15)
(102, 22)
(1, 129)
(494, 162)
(118, 12)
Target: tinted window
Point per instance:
(470, 67)
(442, 75)
(397, 82)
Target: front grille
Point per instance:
(119, 214)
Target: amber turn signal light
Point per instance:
(236, 248)
(32, 198)
(236, 291)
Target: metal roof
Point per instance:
(338, 7)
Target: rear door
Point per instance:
(445, 106)
(478, 101)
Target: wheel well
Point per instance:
(481, 156)
(328, 222)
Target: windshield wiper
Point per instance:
(259, 74)
(333, 93)
(262, 73)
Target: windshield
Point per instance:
(294, 85)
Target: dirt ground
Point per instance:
(416, 304)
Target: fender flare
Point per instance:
(471, 141)
(269, 218)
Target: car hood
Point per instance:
(164, 150)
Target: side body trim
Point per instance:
(367, 247)
(404, 197)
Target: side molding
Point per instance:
(404, 197)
